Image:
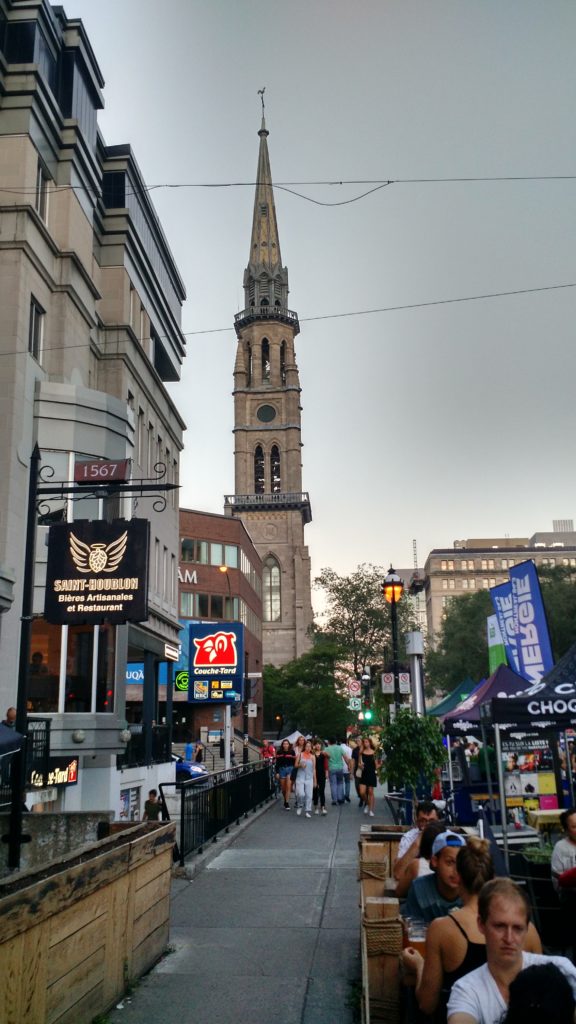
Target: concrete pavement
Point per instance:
(268, 927)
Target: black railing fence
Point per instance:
(207, 806)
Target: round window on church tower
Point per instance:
(266, 413)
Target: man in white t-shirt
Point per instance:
(409, 846)
(481, 997)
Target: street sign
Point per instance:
(388, 682)
(354, 687)
(354, 704)
(252, 710)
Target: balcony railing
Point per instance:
(286, 316)
(299, 500)
(135, 753)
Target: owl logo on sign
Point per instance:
(218, 649)
(98, 557)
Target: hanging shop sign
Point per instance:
(216, 663)
(97, 572)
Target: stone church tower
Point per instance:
(267, 452)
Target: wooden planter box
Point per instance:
(73, 934)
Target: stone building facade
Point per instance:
(481, 563)
(90, 306)
(267, 434)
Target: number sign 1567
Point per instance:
(101, 472)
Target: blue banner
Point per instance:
(533, 640)
(216, 669)
(502, 602)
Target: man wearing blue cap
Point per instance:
(435, 895)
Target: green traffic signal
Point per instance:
(368, 715)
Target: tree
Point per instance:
(558, 586)
(304, 693)
(461, 648)
(357, 619)
(413, 749)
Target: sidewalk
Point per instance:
(269, 927)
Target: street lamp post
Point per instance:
(227, 708)
(393, 588)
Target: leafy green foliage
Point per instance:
(461, 647)
(358, 620)
(304, 695)
(559, 595)
(413, 749)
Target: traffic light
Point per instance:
(368, 714)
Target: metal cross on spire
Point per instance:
(261, 95)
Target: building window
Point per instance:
(231, 556)
(217, 607)
(443, 565)
(464, 584)
(470, 566)
(450, 584)
(450, 565)
(492, 582)
(36, 330)
(444, 584)
(249, 363)
(485, 584)
(216, 554)
(510, 563)
(194, 551)
(472, 584)
(72, 668)
(283, 363)
(271, 604)
(203, 606)
(259, 470)
(187, 604)
(484, 564)
(490, 563)
(41, 197)
(275, 482)
(265, 360)
(504, 564)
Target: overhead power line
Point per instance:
(289, 186)
(348, 313)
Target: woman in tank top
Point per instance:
(454, 944)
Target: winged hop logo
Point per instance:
(218, 649)
(98, 557)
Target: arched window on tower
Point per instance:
(259, 470)
(271, 603)
(265, 361)
(249, 363)
(275, 481)
(283, 363)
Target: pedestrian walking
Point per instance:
(298, 748)
(319, 794)
(284, 765)
(305, 765)
(368, 779)
(336, 760)
(347, 770)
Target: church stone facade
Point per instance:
(267, 429)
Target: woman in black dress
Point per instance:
(368, 780)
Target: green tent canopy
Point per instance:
(452, 700)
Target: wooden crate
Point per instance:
(73, 935)
(380, 947)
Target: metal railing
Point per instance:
(210, 805)
(281, 313)
(135, 753)
(37, 747)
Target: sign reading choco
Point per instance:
(97, 572)
(216, 662)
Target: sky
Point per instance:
(431, 419)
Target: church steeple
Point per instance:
(265, 279)
(267, 433)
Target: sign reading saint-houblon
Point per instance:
(97, 572)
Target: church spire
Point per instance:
(265, 279)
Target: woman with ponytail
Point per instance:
(454, 944)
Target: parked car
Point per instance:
(188, 769)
